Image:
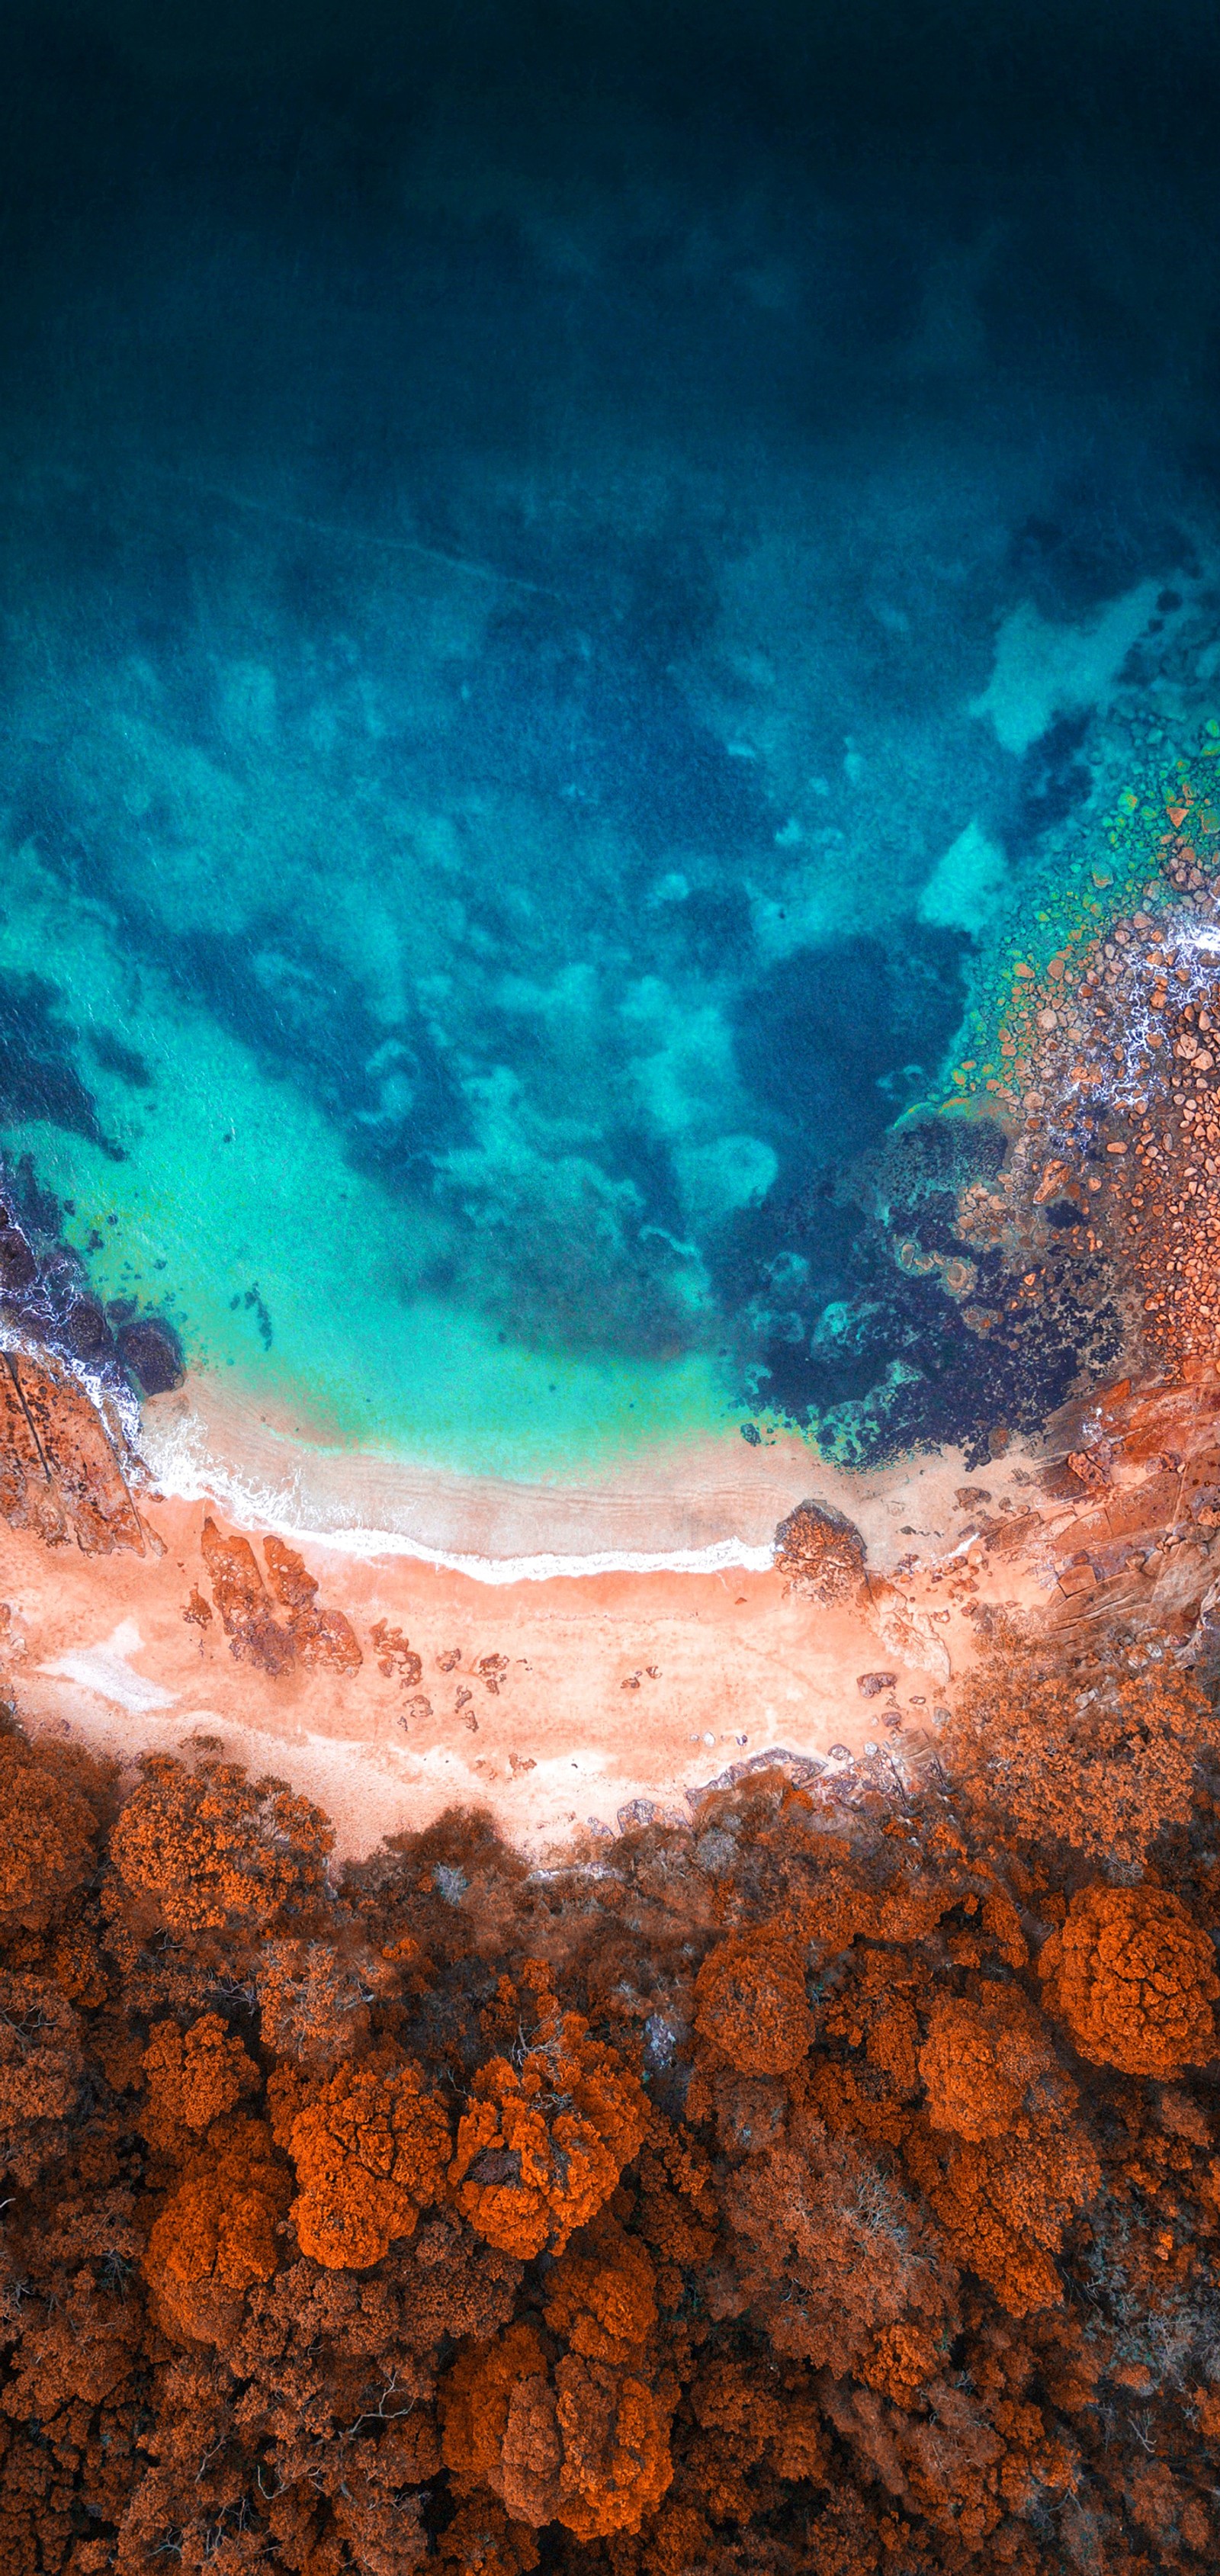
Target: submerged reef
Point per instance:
(48, 1306)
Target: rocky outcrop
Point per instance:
(63, 1471)
(822, 1553)
(323, 1639)
(319, 1639)
(151, 1353)
(243, 1604)
(48, 1305)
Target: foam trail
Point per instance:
(184, 1471)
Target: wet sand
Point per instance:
(698, 1506)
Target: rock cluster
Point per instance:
(822, 1553)
(248, 1612)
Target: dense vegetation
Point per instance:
(829, 2186)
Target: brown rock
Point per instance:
(60, 1472)
(242, 1603)
(821, 1552)
(28, 1499)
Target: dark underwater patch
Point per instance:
(38, 1078)
(893, 1362)
(1052, 782)
(114, 1057)
(598, 719)
(817, 1040)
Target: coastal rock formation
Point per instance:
(318, 1639)
(243, 1605)
(151, 1352)
(822, 1553)
(323, 1639)
(62, 1472)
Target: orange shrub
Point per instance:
(1135, 1980)
(193, 2076)
(586, 2446)
(209, 1847)
(752, 2007)
(541, 2147)
(1105, 1764)
(47, 1833)
(217, 2233)
(601, 2294)
(979, 2059)
(370, 2153)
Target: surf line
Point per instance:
(191, 1480)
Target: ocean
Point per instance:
(567, 587)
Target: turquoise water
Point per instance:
(541, 651)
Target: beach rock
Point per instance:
(870, 1684)
(326, 1641)
(821, 1552)
(323, 1639)
(242, 1603)
(18, 1268)
(151, 1352)
(61, 1471)
(28, 1499)
(397, 1655)
(294, 1588)
(86, 1333)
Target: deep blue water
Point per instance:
(562, 572)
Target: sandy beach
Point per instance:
(559, 1699)
(556, 1699)
(695, 1506)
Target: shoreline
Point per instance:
(609, 1690)
(699, 1508)
(566, 1701)
(571, 1705)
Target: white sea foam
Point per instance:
(177, 1455)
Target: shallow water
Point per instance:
(553, 624)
